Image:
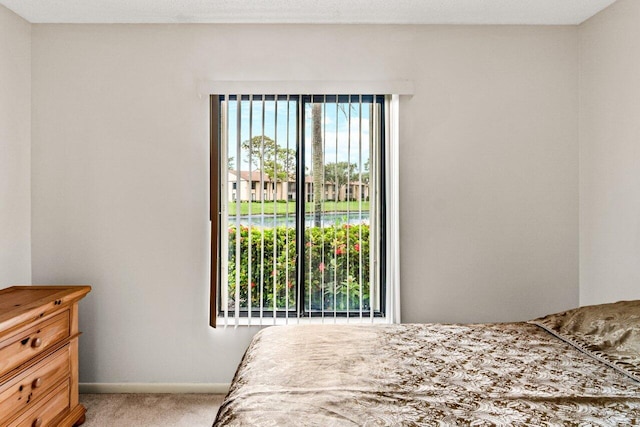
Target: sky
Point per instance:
(339, 122)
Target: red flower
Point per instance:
(289, 284)
(253, 285)
(357, 247)
(321, 266)
(340, 250)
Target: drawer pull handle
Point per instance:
(37, 422)
(36, 383)
(36, 342)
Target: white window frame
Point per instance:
(395, 89)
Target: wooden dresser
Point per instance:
(39, 356)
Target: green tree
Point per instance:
(340, 174)
(365, 174)
(277, 162)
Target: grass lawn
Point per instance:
(283, 208)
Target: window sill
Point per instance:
(327, 320)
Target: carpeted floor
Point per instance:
(150, 410)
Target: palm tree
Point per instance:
(318, 163)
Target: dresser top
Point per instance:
(18, 302)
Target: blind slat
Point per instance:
(237, 194)
(250, 234)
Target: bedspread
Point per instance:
(514, 374)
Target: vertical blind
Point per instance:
(301, 199)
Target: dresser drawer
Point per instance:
(46, 410)
(32, 341)
(27, 387)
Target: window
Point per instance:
(313, 245)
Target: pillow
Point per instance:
(607, 332)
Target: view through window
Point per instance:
(301, 195)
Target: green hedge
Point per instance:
(336, 267)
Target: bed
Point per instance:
(579, 367)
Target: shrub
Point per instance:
(336, 267)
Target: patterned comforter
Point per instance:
(514, 374)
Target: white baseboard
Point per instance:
(211, 388)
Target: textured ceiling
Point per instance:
(531, 12)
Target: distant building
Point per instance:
(256, 186)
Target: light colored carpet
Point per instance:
(150, 410)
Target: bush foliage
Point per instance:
(336, 267)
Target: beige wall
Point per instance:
(489, 172)
(15, 149)
(610, 154)
(489, 175)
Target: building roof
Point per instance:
(256, 177)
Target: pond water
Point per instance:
(328, 219)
